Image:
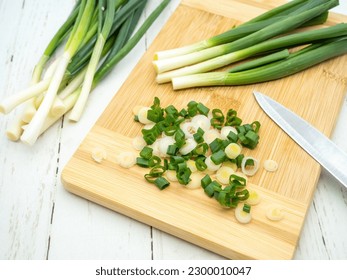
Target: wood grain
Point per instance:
(291, 186)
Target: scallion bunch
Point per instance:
(94, 38)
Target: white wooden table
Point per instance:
(39, 219)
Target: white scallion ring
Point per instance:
(249, 171)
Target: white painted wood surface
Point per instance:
(40, 220)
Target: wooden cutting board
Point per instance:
(315, 94)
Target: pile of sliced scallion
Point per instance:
(266, 44)
(193, 144)
(93, 39)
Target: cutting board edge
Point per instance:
(172, 230)
(131, 213)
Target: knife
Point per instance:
(315, 143)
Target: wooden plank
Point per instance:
(295, 181)
(27, 174)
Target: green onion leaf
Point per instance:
(161, 183)
(218, 157)
(246, 208)
(146, 152)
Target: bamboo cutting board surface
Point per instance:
(316, 94)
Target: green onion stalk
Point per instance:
(276, 70)
(96, 55)
(296, 39)
(33, 129)
(248, 27)
(62, 32)
(279, 27)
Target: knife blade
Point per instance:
(314, 142)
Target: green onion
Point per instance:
(180, 138)
(96, 55)
(268, 72)
(171, 110)
(101, 73)
(238, 32)
(55, 41)
(199, 136)
(143, 162)
(192, 108)
(200, 163)
(260, 61)
(202, 109)
(161, 183)
(99, 37)
(154, 161)
(183, 175)
(218, 157)
(205, 181)
(246, 208)
(217, 120)
(212, 187)
(150, 135)
(232, 137)
(146, 152)
(224, 198)
(172, 150)
(242, 195)
(219, 56)
(237, 180)
(232, 119)
(33, 129)
(216, 145)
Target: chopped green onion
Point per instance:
(171, 110)
(242, 195)
(217, 120)
(143, 162)
(218, 157)
(216, 145)
(202, 109)
(183, 175)
(224, 198)
(192, 108)
(155, 115)
(237, 180)
(233, 137)
(199, 136)
(150, 135)
(200, 164)
(146, 152)
(154, 161)
(200, 149)
(232, 119)
(180, 138)
(172, 150)
(211, 188)
(205, 181)
(161, 183)
(246, 208)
